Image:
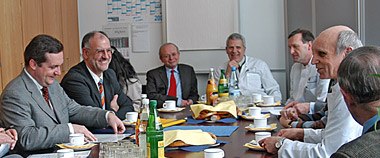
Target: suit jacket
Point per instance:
(80, 86)
(365, 146)
(38, 126)
(157, 84)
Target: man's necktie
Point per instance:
(101, 91)
(173, 86)
(45, 93)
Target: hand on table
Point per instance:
(186, 102)
(269, 144)
(301, 108)
(292, 133)
(116, 124)
(87, 134)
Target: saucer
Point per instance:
(177, 109)
(260, 101)
(254, 146)
(128, 123)
(248, 117)
(274, 104)
(85, 146)
(270, 127)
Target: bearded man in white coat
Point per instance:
(254, 74)
(329, 49)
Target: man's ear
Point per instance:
(309, 45)
(85, 53)
(348, 98)
(348, 49)
(33, 64)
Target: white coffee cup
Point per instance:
(169, 104)
(214, 153)
(254, 111)
(65, 153)
(256, 97)
(260, 122)
(268, 100)
(131, 116)
(261, 135)
(76, 139)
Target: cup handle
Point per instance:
(164, 105)
(222, 153)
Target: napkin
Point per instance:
(192, 137)
(171, 122)
(219, 131)
(190, 120)
(273, 126)
(228, 106)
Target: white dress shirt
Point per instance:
(254, 77)
(340, 129)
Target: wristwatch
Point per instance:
(279, 143)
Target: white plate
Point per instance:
(177, 109)
(253, 142)
(79, 147)
(267, 128)
(248, 117)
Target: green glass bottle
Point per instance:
(223, 85)
(154, 133)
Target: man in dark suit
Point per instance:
(361, 91)
(38, 108)
(182, 77)
(82, 82)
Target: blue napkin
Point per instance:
(190, 120)
(219, 131)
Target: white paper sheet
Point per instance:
(79, 154)
(110, 137)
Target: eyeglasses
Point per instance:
(106, 51)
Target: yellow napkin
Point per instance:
(75, 147)
(192, 137)
(228, 106)
(171, 122)
(252, 146)
(273, 126)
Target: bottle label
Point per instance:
(161, 151)
(223, 81)
(235, 93)
(148, 149)
(144, 116)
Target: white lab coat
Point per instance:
(305, 84)
(254, 77)
(340, 129)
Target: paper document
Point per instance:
(79, 154)
(110, 137)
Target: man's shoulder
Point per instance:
(367, 144)
(156, 70)
(75, 72)
(185, 66)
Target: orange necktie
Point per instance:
(101, 91)
(173, 86)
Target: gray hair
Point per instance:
(88, 36)
(165, 44)
(236, 36)
(355, 74)
(346, 39)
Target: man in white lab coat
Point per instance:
(306, 88)
(254, 74)
(329, 49)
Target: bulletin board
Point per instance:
(199, 24)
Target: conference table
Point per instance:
(233, 149)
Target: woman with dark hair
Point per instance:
(126, 75)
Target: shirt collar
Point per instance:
(369, 123)
(34, 81)
(94, 76)
(169, 70)
(242, 62)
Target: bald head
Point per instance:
(330, 48)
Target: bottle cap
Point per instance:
(153, 102)
(223, 71)
(233, 68)
(145, 101)
(143, 96)
(211, 69)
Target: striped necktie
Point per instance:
(101, 91)
(45, 94)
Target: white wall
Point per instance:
(261, 22)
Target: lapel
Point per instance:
(92, 84)
(164, 77)
(37, 96)
(182, 76)
(55, 103)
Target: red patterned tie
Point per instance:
(100, 84)
(173, 86)
(45, 93)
